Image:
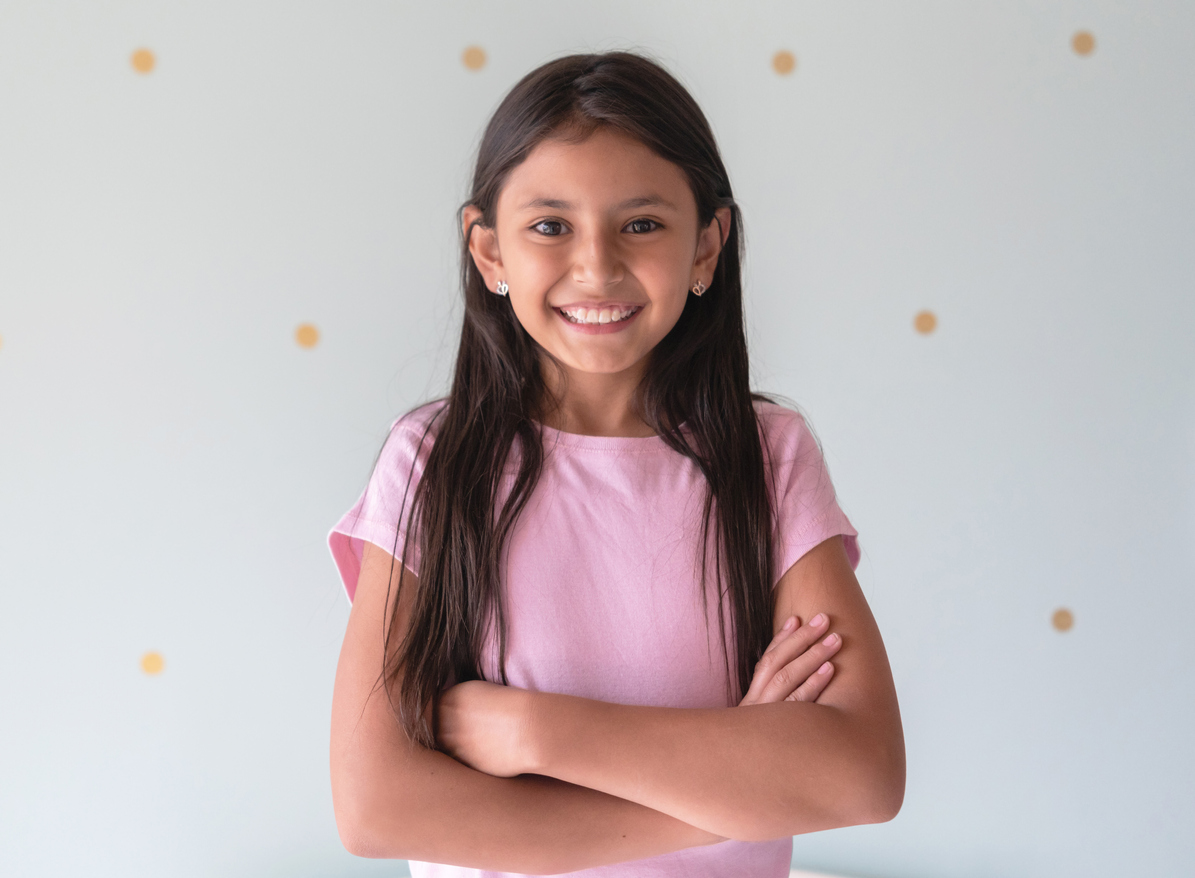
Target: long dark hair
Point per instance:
(697, 378)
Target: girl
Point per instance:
(530, 682)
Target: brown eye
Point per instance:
(639, 222)
(539, 226)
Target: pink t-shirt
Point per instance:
(601, 584)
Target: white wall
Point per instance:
(171, 459)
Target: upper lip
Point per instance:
(599, 306)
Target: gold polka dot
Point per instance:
(152, 663)
(307, 335)
(1083, 43)
(783, 62)
(143, 60)
(474, 57)
(1063, 619)
(925, 322)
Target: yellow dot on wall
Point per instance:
(1063, 619)
(473, 57)
(925, 322)
(152, 663)
(307, 335)
(783, 62)
(1083, 43)
(143, 60)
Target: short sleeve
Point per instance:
(380, 514)
(807, 511)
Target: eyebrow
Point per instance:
(641, 201)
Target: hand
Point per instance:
(486, 726)
(790, 668)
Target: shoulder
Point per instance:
(785, 432)
(421, 421)
(769, 413)
(807, 507)
(412, 434)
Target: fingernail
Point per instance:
(824, 669)
(831, 640)
(817, 620)
(788, 623)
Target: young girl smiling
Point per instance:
(530, 681)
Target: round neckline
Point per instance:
(553, 437)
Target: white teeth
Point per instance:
(592, 315)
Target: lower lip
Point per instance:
(599, 328)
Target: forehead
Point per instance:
(608, 169)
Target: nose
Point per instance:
(598, 261)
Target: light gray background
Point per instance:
(171, 460)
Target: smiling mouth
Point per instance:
(596, 316)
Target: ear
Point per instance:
(483, 246)
(710, 242)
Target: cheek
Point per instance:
(531, 281)
(535, 264)
(667, 272)
(669, 315)
(670, 292)
(533, 314)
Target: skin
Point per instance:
(485, 725)
(542, 783)
(589, 249)
(601, 223)
(573, 229)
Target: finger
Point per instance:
(794, 675)
(800, 639)
(815, 685)
(780, 652)
(790, 624)
(783, 649)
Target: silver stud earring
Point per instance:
(698, 288)
(502, 289)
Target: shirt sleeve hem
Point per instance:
(834, 523)
(347, 539)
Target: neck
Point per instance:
(596, 404)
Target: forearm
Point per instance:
(444, 812)
(751, 773)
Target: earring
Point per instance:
(502, 288)
(698, 288)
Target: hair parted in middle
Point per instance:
(697, 377)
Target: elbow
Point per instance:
(348, 809)
(371, 826)
(884, 802)
(358, 809)
(355, 842)
(354, 836)
(879, 791)
(868, 788)
(362, 836)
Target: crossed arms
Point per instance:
(561, 783)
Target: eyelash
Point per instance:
(632, 222)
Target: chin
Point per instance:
(601, 366)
